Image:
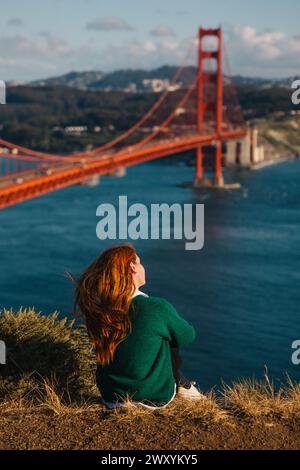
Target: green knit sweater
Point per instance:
(142, 365)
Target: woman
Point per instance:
(136, 336)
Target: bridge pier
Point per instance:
(244, 152)
(239, 152)
(200, 180)
(232, 157)
(120, 172)
(92, 181)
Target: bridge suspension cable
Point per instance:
(44, 156)
(232, 95)
(169, 118)
(151, 110)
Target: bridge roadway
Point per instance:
(49, 177)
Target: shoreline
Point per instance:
(267, 163)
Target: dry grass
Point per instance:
(45, 348)
(50, 375)
(254, 400)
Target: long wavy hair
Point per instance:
(103, 295)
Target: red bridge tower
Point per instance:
(206, 106)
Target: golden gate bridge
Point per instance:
(204, 113)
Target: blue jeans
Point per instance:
(176, 363)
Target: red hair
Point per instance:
(103, 295)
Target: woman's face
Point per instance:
(138, 272)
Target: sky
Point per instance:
(45, 38)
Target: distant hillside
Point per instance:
(79, 80)
(130, 80)
(263, 82)
(121, 79)
(133, 80)
(82, 110)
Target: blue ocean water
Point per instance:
(241, 291)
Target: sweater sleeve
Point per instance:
(173, 327)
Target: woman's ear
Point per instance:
(133, 267)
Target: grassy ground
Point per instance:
(48, 400)
(282, 134)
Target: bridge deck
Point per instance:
(35, 182)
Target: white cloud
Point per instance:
(109, 24)
(23, 46)
(150, 46)
(15, 22)
(144, 54)
(26, 57)
(267, 53)
(251, 52)
(162, 31)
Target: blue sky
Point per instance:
(49, 37)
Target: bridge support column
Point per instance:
(199, 166)
(245, 152)
(219, 180)
(239, 152)
(232, 153)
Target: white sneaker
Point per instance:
(191, 393)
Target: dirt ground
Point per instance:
(100, 428)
